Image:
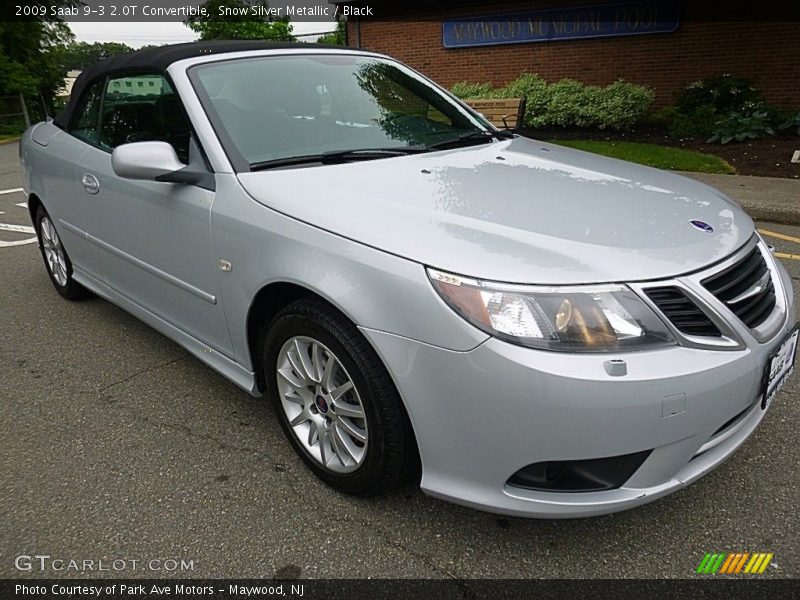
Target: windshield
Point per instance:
(271, 108)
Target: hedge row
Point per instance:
(569, 103)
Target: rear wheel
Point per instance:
(336, 401)
(56, 260)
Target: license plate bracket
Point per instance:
(780, 365)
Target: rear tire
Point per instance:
(56, 259)
(358, 441)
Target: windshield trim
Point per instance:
(240, 164)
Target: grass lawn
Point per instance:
(653, 155)
(4, 137)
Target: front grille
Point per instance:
(682, 311)
(746, 288)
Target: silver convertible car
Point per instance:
(533, 330)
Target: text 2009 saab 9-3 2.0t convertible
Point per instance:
(541, 331)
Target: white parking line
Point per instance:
(22, 204)
(17, 229)
(11, 191)
(17, 243)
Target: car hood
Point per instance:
(517, 211)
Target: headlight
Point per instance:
(579, 318)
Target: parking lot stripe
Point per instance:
(780, 236)
(17, 228)
(11, 191)
(789, 256)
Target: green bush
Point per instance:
(701, 104)
(569, 103)
(622, 105)
(792, 121)
(700, 122)
(724, 93)
(465, 89)
(534, 89)
(741, 126)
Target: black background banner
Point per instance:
(380, 10)
(710, 587)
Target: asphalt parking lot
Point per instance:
(117, 444)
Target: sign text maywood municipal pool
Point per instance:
(603, 20)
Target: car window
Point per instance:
(270, 108)
(87, 125)
(139, 108)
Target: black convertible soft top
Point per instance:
(157, 60)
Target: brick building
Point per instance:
(665, 44)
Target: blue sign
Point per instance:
(603, 20)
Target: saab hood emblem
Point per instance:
(702, 226)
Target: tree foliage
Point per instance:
(32, 56)
(80, 55)
(335, 38)
(247, 27)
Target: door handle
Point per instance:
(90, 183)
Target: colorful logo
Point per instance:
(734, 562)
(702, 225)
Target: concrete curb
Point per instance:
(772, 214)
(13, 140)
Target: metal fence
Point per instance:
(14, 116)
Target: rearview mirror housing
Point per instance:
(145, 160)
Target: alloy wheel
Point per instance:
(322, 405)
(53, 251)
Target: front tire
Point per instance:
(335, 400)
(56, 259)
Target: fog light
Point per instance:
(591, 475)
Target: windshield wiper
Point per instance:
(472, 137)
(337, 156)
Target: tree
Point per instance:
(338, 37)
(31, 56)
(79, 55)
(234, 26)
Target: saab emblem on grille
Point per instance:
(702, 226)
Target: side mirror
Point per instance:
(145, 160)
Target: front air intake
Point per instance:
(682, 312)
(592, 475)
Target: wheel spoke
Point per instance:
(345, 445)
(313, 433)
(345, 409)
(290, 379)
(298, 367)
(301, 418)
(331, 367)
(341, 390)
(293, 396)
(305, 364)
(352, 430)
(316, 363)
(339, 449)
(322, 437)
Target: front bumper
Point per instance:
(479, 416)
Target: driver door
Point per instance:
(153, 239)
